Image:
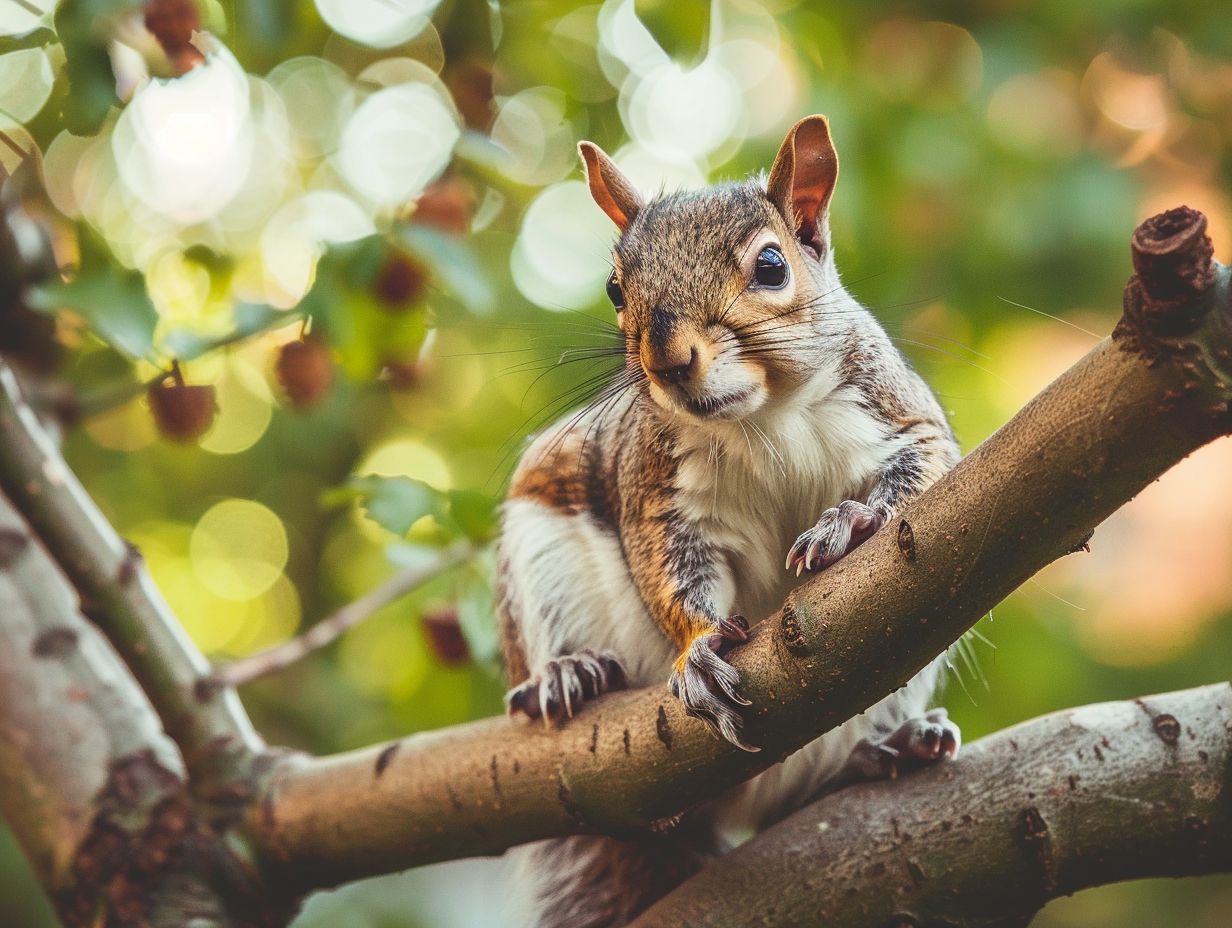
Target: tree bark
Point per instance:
(1083, 797)
(94, 790)
(1135, 405)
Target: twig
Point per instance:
(1117, 791)
(115, 587)
(331, 628)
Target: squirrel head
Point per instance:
(718, 291)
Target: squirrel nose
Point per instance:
(672, 370)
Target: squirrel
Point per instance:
(757, 397)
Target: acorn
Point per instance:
(183, 412)
(445, 638)
(172, 23)
(305, 371)
(401, 283)
(447, 205)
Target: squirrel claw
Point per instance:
(734, 628)
(838, 532)
(706, 683)
(564, 683)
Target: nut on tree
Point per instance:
(172, 23)
(305, 371)
(446, 641)
(401, 283)
(183, 412)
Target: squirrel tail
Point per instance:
(599, 882)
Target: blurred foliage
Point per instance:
(361, 224)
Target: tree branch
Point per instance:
(115, 587)
(335, 625)
(1135, 405)
(1118, 791)
(95, 791)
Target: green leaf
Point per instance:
(35, 38)
(344, 268)
(681, 29)
(474, 513)
(396, 503)
(115, 305)
(452, 263)
(83, 27)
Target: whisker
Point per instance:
(1032, 309)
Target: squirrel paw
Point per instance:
(706, 683)
(839, 531)
(915, 743)
(564, 684)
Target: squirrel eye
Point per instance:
(614, 293)
(770, 271)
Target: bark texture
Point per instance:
(94, 790)
(1109, 792)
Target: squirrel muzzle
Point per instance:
(674, 353)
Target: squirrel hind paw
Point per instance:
(918, 742)
(564, 684)
(838, 532)
(707, 685)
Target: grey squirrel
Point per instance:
(757, 398)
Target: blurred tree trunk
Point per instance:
(93, 788)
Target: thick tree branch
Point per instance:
(1137, 404)
(95, 791)
(115, 587)
(1088, 796)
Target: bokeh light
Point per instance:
(245, 407)
(319, 98)
(561, 255)
(238, 549)
(398, 140)
(378, 23)
(19, 18)
(407, 457)
(183, 147)
(27, 76)
(295, 236)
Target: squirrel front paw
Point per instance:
(564, 684)
(706, 683)
(839, 531)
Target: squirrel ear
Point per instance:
(613, 192)
(803, 177)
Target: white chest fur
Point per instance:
(755, 485)
(752, 487)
